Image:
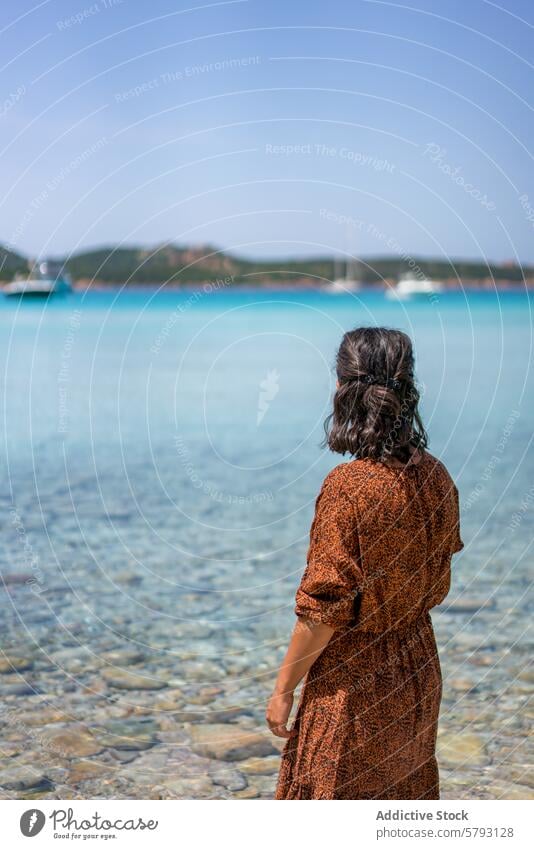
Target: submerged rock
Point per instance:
(248, 793)
(42, 715)
(462, 749)
(227, 776)
(468, 604)
(129, 578)
(200, 787)
(123, 756)
(14, 663)
(127, 735)
(85, 771)
(19, 688)
(202, 671)
(260, 766)
(522, 774)
(511, 791)
(123, 657)
(124, 679)
(19, 778)
(229, 742)
(16, 578)
(70, 742)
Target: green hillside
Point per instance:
(11, 263)
(182, 265)
(176, 265)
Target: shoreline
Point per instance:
(211, 286)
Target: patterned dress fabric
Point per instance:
(379, 559)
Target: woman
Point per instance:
(386, 525)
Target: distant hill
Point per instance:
(166, 264)
(11, 263)
(175, 265)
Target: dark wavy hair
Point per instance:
(375, 413)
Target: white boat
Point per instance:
(410, 285)
(348, 283)
(343, 284)
(49, 279)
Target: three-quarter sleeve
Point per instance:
(456, 538)
(332, 578)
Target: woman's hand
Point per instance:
(278, 711)
(307, 642)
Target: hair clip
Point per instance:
(371, 380)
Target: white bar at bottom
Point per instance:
(252, 824)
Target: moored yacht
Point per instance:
(411, 285)
(44, 280)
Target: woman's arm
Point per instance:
(307, 642)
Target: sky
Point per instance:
(269, 129)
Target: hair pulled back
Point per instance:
(375, 411)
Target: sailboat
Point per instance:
(346, 282)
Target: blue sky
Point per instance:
(269, 128)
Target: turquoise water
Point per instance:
(161, 456)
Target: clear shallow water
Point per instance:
(161, 457)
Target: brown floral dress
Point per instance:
(379, 558)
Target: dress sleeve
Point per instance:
(332, 577)
(456, 538)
